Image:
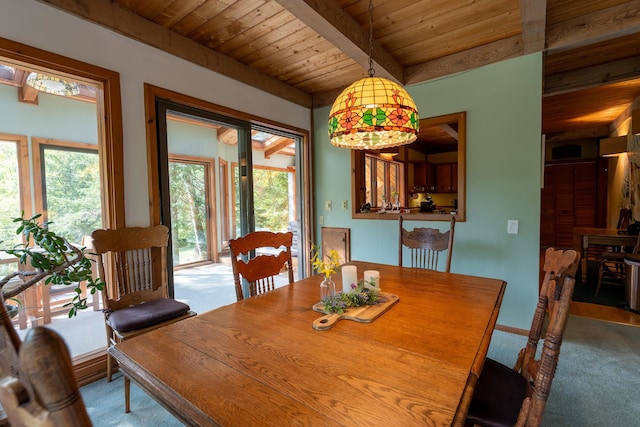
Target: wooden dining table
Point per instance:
(259, 362)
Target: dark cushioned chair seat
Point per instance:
(498, 396)
(146, 314)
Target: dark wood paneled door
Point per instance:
(571, 198)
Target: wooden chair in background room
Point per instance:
(612, 268)
(518, 396)
(261, 270)
(132, 263)
(624, 218)
(37, 383)
(426, 245)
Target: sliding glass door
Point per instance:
(220, 178)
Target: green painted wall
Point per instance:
(503, 105)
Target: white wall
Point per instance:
(42, 26)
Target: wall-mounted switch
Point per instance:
(321, 220)
(512, 226)
(327, 205)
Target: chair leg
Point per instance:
(600, 273)
(109, 367)
(127, 395)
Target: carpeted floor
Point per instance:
(596, 384)
(598, 375)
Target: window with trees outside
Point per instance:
(382, 179)
(272, 198)
(9, 202)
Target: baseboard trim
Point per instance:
(512, 330)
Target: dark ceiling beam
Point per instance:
(586, 133)
(602, 25)
(332, 23)
(596, 75)
(534, 18)
(113, 17)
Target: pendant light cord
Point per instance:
(372, 72)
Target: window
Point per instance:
(381, 181)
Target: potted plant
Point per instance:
(53, 259)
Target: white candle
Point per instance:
(349, 277)
(372, 276)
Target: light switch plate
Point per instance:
(512, 226)
(327, 205)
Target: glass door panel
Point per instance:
(189, 212)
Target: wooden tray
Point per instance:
(366, 314)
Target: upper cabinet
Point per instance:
(409, 178)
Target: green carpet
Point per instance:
(598, 377)
(597, 382)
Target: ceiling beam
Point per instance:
(534, 18)
(596, 75)
(113, 17)
(466, 60)
(450, 131)
(595, 132)
(605, 24)
(276, 148)
(332, 23)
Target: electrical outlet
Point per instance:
(344, 204)
(327, 205)
(512, 226)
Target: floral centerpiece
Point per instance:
(361, 294)
(327, 266)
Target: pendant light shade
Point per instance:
(53, 85)
(373, 113)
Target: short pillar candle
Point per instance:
(349, 277)
(372, 276)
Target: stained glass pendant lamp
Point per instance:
(53, 85)
(373, 112)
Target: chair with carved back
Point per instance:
(132, 263)
(506, 397)
(37, 383)
(426, 245)
(261, 270)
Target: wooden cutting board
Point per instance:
(366, 314)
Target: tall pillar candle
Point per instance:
(349, 277)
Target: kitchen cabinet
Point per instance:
(446, 178)
(424, 176)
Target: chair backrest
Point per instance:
(555, 299)
(260, 270)
(37, 383)
(132, 262)
(426, 245)
(623, 219)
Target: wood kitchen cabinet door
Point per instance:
(445, 177)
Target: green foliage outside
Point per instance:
(9, 202)
(72, 192)
(270, 199)
(188, 212)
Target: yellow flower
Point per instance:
(327, 267)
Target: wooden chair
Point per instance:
(612, 268)
(260, 270)
(132, 263)
(37, 382)
(518, 396)
(426, 245)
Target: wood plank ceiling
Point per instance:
(307, 51)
